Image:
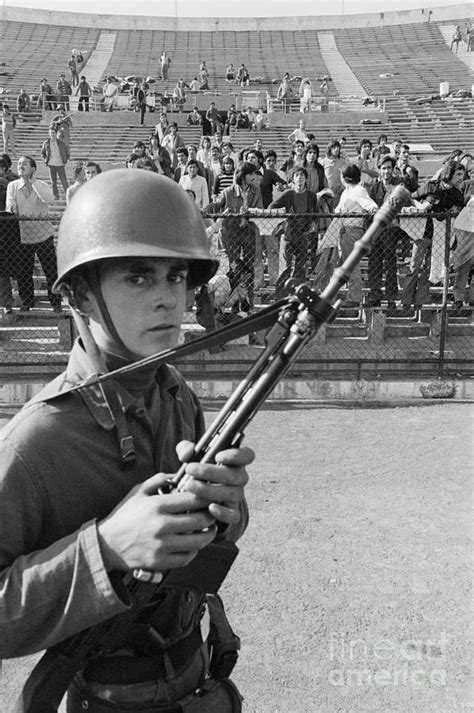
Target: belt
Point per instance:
(137, 669)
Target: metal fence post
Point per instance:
(444, 304)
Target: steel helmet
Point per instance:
(133, 213)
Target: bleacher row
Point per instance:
(416, 55)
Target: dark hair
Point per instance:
(244, 169)
(183, 150)
(139, 145)
(271, 154)
(146, 162)
(387, 157)
(4, 164)
(77, 169)
(363, 142)
(7, 159)
(351, 173)
(300, 169)
(193, 162)
(228, 159)
(312, 146)
(33, 162)
(382, 136)
(93, 164)
(131, 158)
(192, 146)
(449, 169)
(258, 154)
(332, 145)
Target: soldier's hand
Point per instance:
(219, 486)
(155, 532)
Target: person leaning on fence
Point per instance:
(76, 519)
(300, 205)
(462, 253)
(27, 197)
(10, 247)
(439, 196)
(238, 232)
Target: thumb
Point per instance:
(185, 451)
(152, 484)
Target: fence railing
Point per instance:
(410, 301)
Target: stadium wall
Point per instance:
(236, 24)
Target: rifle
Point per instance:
(299, 319)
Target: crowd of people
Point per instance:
(262, 246)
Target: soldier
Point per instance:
(76, 519)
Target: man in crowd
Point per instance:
(71, 63)
(27, 197)
(191, 181)
(55, 154)
(85, 92)
(63, 92)
(23, 102)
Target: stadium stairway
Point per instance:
(467, 57)
(100, 57)
(344, 79)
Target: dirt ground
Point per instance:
(352, 591)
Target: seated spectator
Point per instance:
(243, 76)
(230, 74)
(299, 134)
(194, 118)
(193, 182)
(296, 200)
(139, 148)
(203, 76)
(251, 117)
(78, 178)
(23, 102)
(194, 85)
(179, 94)
(242, 120)
(261, 121)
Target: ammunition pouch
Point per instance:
(224, 644)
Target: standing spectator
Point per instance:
(437, 196)
(296, 160)
(46, 99)
(225, 179)
(300, 133)
(317, 182)
(110, 92)
(182, 164)
(10, 248)
(238, 232)
(261, 121)
(324, 87)
(456, 39)
(215, 165)
(405, 169)
(383, 253)
(470, 39)
(62, 124)
(28, 197)
(297, 200)
(162, 127)
(369, 173)
(191, 181)
(231, 119)
(192, 154)
(85, 92)
(141, 102)
(381, 149)
(23, 102)
(333, 165)
(165, 62)
(71, 63)
(160, 156)
(204, 152)
(285, 93)
(172, 142)
(214, 118)
(354, 199)
(63, 92)
(227, 150)
(194, 118)
(243, 76)
(462, 252)
(179, 94)
(203, 76)
(55, 154)
(79, 61)
(78, 178)
(230, 74)
(8, 130)
(91, 169)
(306, 94)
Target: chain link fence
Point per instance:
(409, 302)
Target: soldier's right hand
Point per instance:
(154, 532)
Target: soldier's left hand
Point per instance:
(221, 485)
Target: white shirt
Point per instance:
(34, 205)
(198, 184)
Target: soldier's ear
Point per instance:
(79, 295)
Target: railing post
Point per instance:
(444, 304)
